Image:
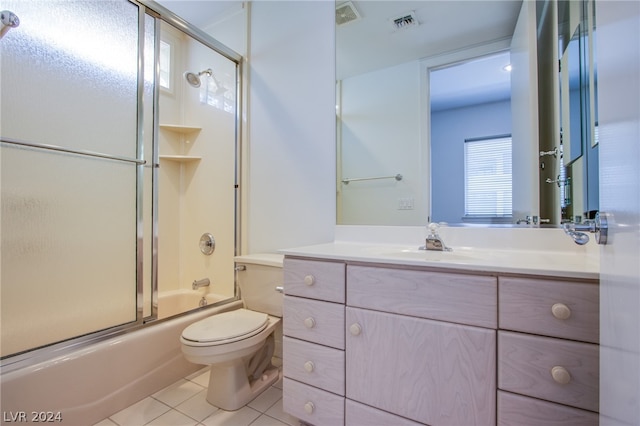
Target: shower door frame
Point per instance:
(148, 9)
(163, 14)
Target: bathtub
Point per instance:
(96, 381)
(175, 302)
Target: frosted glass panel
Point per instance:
(69, 223)
(69, 74)
(68, 246)
(148, 104)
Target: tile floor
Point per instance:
(184, 404)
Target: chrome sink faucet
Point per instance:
(434, 241)
(528, 220)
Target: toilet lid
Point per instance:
(226, 327)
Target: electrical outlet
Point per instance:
(405, 203)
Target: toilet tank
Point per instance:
(258, 277)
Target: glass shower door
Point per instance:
(70, 170)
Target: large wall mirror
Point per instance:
(425, 110)
(579, 112)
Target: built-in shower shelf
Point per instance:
(179, 128)
(180, 158)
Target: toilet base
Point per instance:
(240, 371)
(231, 389)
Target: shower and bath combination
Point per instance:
(137, 163)
(194, 80)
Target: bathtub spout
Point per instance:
(200, 283)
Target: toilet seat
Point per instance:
(227, 327)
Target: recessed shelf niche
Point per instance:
(180, 128)
(180, 158)
(183, 130)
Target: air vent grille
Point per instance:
(345, 13)
(405, 21)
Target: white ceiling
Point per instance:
(479, 81)
(372, 42)
(200, 13)
(444, 26)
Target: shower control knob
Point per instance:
(309, 280)
(309, 366)
(309, 322)
(207, 244)
(561, 311)
(309, 407)
(355, 329)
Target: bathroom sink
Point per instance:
(426, 255)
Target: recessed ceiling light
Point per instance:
(507, 68)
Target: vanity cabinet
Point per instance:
(369, 343)
(408, 350)
(403, 346)
(314, 341)
(428, 371)
(548, 353)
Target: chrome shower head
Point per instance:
(8, 20)
(194, 79)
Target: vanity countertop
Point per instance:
(560, 263)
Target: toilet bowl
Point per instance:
(239, 345)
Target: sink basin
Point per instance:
(426, 255)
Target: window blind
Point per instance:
(488, 176)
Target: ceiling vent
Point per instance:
(404, 21)
(345, 13)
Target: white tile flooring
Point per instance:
(184, 404)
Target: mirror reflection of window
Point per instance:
(487, 177)
(467, 100)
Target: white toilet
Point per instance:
(239, 344)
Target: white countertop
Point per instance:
(556, 260)
(265, 259)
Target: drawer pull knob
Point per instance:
(309, 322)
(309, 366)
(561, 311)
(309, 280)
(560, 375)
(355, 329)
(309, 407)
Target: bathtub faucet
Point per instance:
(200, 283)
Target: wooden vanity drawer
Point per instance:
(457, 298)
(314, 279)
(547, 368)
(524, 411)
(314, 321)
(314, 365)
(357, 414)
(312, 405)
(552, 308)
